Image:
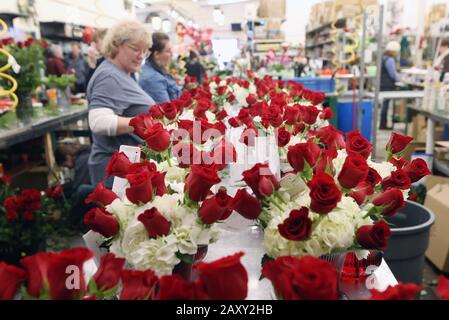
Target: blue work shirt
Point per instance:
(158, 84)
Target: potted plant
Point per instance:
(62, 84)
(29, 60)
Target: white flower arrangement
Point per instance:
(187, 233)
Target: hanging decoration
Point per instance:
(198, 35)
(10, 93)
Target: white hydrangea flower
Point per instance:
(174, 173)
(383, 168)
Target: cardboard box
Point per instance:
(441, 150)
(436, 200)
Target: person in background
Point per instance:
(77, 66)
(114, 97)
(443, 60)
(55, 64)
(154, 79)
(194, 67)
(300, 62)
(389, 76)
(94, 55)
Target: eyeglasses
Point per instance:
(145, 53)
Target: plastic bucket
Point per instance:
(346, 117)
(405, 254)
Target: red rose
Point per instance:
(272, 116)
(260, 179)
(306, 278)
(331, 137)
(258, 108)
(246, 205)
(398, 143)
(374, 236)
(363, 190)
(118, 165)
(248, 136)
(291, 114)
(169, 110)
(11, 215)
(101, 221)
(5, 179)
(213, 209)
(283, 137)
(57, 275)
(398, 162)
(157, 138)
(220, 127)
(221, 90)
(298, 128)
(55, 193)
(200, 180)
(109, 272)
(408, 291)
(301, 153)
(392, 200)
(10, 279)
(186, 127)
(324, 193)
(373, 177)
(101, 195)
(357, 144)
(139, 167)
(221, 115)
(353, 172)
(11, 203)
(327, 113)
(309, 114)
(244, 116)
(36, 267)
(28, 215)
(234, 122)
(231, 97)
(223, 154)
(141, 123)
(398, 179)
(314, 98)
(155, 223)
(157, 178)
(251, 99)
(137, 284)
(31, 199)
(156, 112)
(297, 227)
(186, 154)
(224, 279)
(175, 287)
(141, 187)
(442, 289)
(416, 170)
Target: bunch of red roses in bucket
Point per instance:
(335, 199)
(27, 218)
(310, 278)
(69, 275)
(154, 225)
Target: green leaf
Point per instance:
(187, 258)
(266, 258)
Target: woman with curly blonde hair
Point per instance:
(114, 96)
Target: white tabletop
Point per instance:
(239, 234)
(397, 95)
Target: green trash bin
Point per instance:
(331, 102)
